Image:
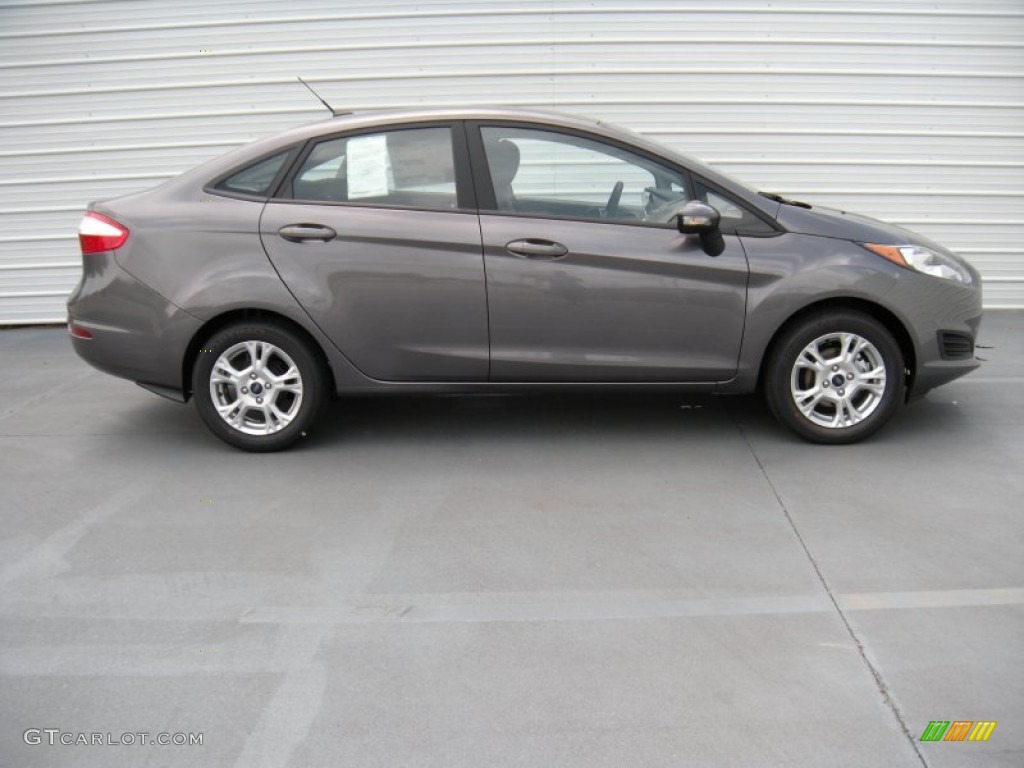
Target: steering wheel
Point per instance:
(613, 201)
(659, 197)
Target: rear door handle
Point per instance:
(307, 233)
(533, 248)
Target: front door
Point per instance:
(588, 279)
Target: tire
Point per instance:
(231, 393)
(835, 378)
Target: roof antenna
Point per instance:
(321, 98)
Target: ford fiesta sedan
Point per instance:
(506, 251)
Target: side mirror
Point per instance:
(697, 218)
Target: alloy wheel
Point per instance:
(838, 380)
(256, 387)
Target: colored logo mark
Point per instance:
(958, 730)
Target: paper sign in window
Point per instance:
(369, 170)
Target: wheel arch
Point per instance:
(223, 320)
(886, 317)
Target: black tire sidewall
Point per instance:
(310, 368)
(791, 344)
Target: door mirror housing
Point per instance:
(697, 218)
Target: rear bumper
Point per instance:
(136, 333)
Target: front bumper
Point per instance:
(931, 309)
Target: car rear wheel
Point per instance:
(835, 378)
(258, 386)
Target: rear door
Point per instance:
(588, 279)
(376, 234)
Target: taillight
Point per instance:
(78, 331)
(97, 233)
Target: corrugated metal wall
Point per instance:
(911, 111)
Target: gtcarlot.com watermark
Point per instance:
(56, 736)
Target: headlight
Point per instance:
(925, 260)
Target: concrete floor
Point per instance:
(586, 581)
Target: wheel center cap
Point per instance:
(256, 388)
(837, 381)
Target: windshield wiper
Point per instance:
(784, 200)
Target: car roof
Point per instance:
(354, 120)
(465, 113)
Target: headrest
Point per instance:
(503, 157)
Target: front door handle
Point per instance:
(536, 249)
(307, 233)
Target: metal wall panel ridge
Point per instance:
(908, 110)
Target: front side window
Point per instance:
(412, 167)
(554, 174)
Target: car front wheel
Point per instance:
(258, 386)
(836, 377)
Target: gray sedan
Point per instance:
(506, 251)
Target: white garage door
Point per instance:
(909, 111)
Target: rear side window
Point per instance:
(412, 167)
(255, 179)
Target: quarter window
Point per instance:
(412, 167)
(735, 218)
(255, 179)
(555, 174)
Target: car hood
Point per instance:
(843, 225)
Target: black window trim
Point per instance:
(465, 195)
